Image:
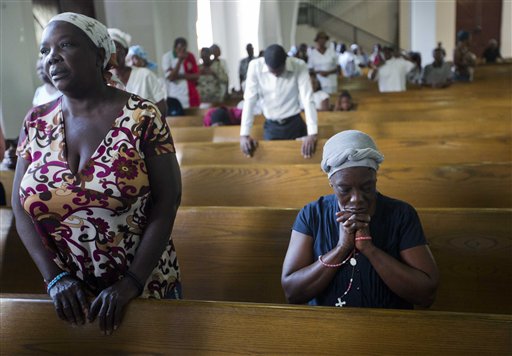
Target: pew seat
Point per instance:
(30, 326)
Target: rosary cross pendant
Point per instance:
(340, 303)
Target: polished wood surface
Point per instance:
(236, 254)
(30, 326)
(395, 151)
(463, 185)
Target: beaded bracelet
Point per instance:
(135, 280)
(363, 238)
(337, 264)
(55, 280)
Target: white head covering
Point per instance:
(122, 37)
(350, 148)
(94, 29)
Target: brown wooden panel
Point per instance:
(396, 151)
(481, 18)
(236, 254)
(464, 185)
(202, 328)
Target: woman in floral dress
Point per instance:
(97, 184)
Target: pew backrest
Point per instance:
(30, 326)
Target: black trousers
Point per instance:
(285, 129)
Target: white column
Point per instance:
(19, 52)
(428, 22)
(423, 28)
(506, 29)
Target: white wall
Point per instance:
(19, 52)
(506, 29)
(445, 26)
(154, 24)
(425, 23)
(423, 29)
(375, 16)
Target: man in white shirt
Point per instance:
(282, 83)
(392, 75)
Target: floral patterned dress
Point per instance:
(93, 221)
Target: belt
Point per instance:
(285, 120)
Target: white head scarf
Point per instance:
(94, 29)
(350, 148)
(122, 37)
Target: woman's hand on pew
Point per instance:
(70, 300)
(109, 305)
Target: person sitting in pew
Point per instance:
(320, 97)
(344, 102)
(282, 83)
(439, 73)
(222, 116)
(138, 57)
(97, 183)
(358, 247)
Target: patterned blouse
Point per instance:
(93, 222)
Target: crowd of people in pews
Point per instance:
(95, 197)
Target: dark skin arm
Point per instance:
(68, 296)
(415, 279)
(162, 107)
(165, 180)
(303, 277)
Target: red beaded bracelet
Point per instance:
(337, 264)
(363, 238)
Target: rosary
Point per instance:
(353, 262)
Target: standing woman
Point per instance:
(181, 74)
(139, 81)
(323, 62)
(97, 184)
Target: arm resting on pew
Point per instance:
(68, 296)
(165, 180)
(415, 279)
(303, 278)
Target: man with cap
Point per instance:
(282, 83)
(357, 247)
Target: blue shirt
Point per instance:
(394, 227)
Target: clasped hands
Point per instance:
(72, 304)
(353, 225)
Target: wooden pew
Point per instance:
(236, 254)
(463, 185)
(30, 326)
(475, 129)
(395, 151)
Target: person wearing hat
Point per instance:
(138, 57)
(140, 81)
(464, 60)
(97, 183)
(358, 247)
(323, 62)
(282, 83)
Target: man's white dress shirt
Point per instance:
(280, 96)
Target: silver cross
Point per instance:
(340, 303)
